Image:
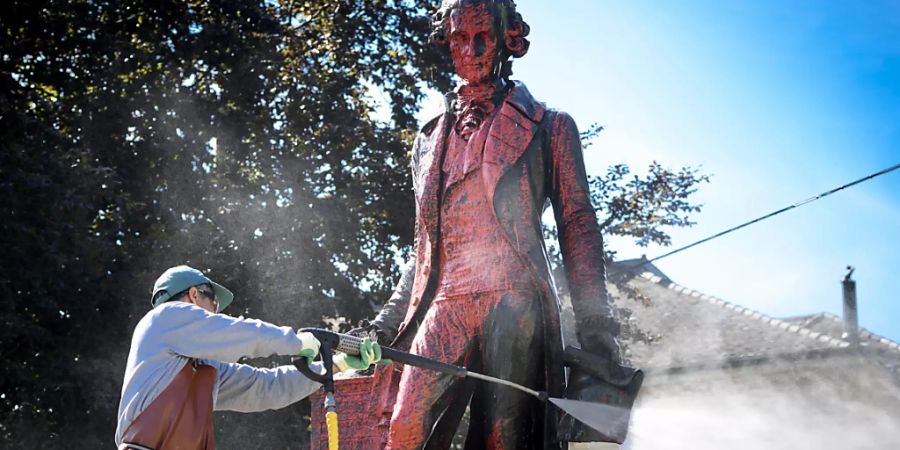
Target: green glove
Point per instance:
(369, 353)
(310, 345)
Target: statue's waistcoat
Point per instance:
(474, 256)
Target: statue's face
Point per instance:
(473, 43)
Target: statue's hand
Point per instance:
(368, 330)
(603, 344)
(597, 335)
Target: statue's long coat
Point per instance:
(532, 158)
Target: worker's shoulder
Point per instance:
(174, 307)
(170, 311)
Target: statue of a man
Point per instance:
(479, 292)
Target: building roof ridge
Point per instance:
(877, 338)
(781, 324)
(863, 332)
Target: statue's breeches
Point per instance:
(498, 333)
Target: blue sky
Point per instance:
(778, 101)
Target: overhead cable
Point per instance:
(774, 213)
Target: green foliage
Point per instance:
(640, 207)
(588, 136)
(244, 138)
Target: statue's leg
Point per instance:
(475, 435)
(424, 394)
(447, 425)
(513, 350)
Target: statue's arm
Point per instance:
(387, 322)
(580, 240)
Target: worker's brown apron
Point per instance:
(181, 417)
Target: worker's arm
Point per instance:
(191, 331)
(246, 388)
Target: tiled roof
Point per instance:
(681, 327)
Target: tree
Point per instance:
(641, 208)
(240, 137)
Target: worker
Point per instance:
(183, 365)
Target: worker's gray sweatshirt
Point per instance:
(174, 333)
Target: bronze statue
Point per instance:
(479, 292)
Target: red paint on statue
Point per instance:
(468, 330)
(479, 274)
(473, 44)
(480, 293)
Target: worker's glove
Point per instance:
(369, 353)
(310, 345)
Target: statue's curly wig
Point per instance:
(512, 30)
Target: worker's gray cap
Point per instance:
(181, 278)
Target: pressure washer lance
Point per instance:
(595, 415)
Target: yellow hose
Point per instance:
(331, 422)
